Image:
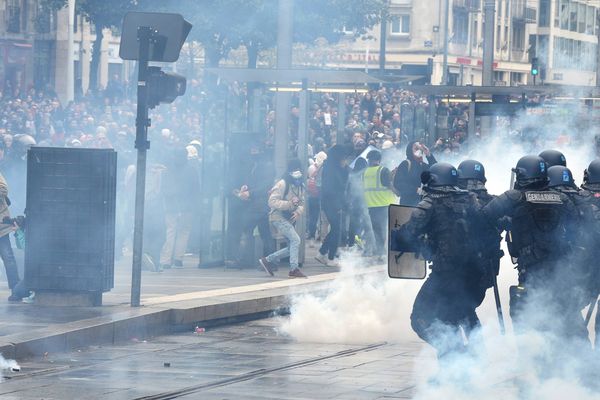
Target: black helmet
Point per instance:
(560, 176)
(554, 157)
(531, 170)
(471, 169)
(592, 173)
(440, 174)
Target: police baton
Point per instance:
(499, 307)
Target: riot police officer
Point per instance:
(586, 227)
(541, 230)
(471, 177)
(443, 305)
(554, 157)
(591, 186)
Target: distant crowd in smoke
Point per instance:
(192, 132)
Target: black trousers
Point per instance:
(10, 264)
(332, 240)
(250, 221)
(442, 307)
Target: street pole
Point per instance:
(142, 145)
(382, 42)
(283, 99)
(70, 49)
(488, 42)
(598, 47)
(446, 29)
(302, 154)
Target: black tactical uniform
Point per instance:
(443, 304)
(471, 177)
(591, 189)
(541, 230)
(586, 227)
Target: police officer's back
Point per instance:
(443, 216)
(540, 232)
(471, 177)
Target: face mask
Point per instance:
(296, 174)
(418, 153)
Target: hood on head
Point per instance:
(409, 152)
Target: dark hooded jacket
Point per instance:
(335, 178)
(407, 179)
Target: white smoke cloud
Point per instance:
(375, 308)
(8, 365)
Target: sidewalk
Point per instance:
(172, 300)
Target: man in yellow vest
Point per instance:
(378, 196)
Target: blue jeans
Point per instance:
(293, 250)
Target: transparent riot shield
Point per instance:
(404, 262)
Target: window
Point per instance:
(590, 20)
(498, 37)
(573, 17)
(475, 38)
(460, 26)
(574, 54)
(544, 13)
(13, 13)
(581, 18)
(564, 14)
(400, 25)
(518, 37)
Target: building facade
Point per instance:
(34, 49)
(561, 33)
(566, 41)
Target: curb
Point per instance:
(152, 320)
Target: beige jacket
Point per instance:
(281, 206)
(4, 229)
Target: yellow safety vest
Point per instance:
(376, 195)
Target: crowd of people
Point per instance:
(354, 170)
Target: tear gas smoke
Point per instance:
(374, 308)
(8, 365)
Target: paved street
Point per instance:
(249, 361)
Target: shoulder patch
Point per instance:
(543, 197)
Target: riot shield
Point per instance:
(404, 259)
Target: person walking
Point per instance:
(333, 199)
(286, 201)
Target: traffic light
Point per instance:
(164, 87)
(535, 68)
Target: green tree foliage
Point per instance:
(223, 25)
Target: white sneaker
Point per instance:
(333, 263)
(322, 259)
